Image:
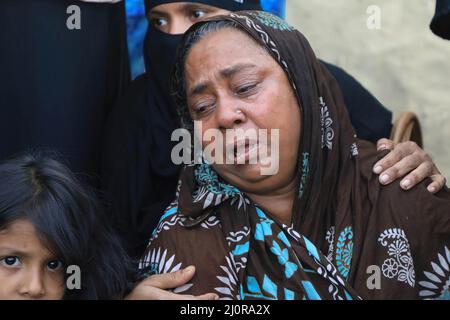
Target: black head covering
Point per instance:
(231, 5)
(160, 47)
(440, 24)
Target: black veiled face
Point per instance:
(233, 83)
(177, 18)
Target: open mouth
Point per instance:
(245, 151)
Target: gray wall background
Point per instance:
(403, 63)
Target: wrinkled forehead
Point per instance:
(223, 53)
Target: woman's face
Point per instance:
(177, 18)
(28, 270)
(233, 83)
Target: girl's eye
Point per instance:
(54, 265)
(158, 22)
(197, 14)
(11, 261)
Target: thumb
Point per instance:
(170, 280)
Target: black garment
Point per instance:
(138, 174)
(371, 120)
(231, 5)
(440, 24)
(57, 85)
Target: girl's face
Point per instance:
(28, 270)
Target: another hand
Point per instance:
(407, 160)
(157, 287)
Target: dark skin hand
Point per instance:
(409, 161)
(158, 287)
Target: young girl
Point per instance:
(48, 222)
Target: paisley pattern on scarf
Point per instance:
(344, 251)
(273, 21)
(400, 264)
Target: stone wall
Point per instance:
(403, 63)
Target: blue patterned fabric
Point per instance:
(278, 241)
(207, 177)
(344, 251)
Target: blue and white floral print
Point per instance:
(400, 264)
(159, 261)
(267, 290)
(437, 283)
(327, 125)
(344, 251)
(272, 21)
(229, 280)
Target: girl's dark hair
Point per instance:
(70, 221)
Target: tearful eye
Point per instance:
(11, 261)
(245, 89)
(201, 109)
(197, 14)
(54, 265)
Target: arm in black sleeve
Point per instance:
(371, 120)
(138, 177)
(125, 170)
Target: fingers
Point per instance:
(208, 296)
(423, 171)
(167, 295)
(407, 157)
(170, 280)
(393, 157)
(157, 287)
(144, 292)
(385, 144)
(438, 183)
(405, 166)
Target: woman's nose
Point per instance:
(229, 116)
(33, 285)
